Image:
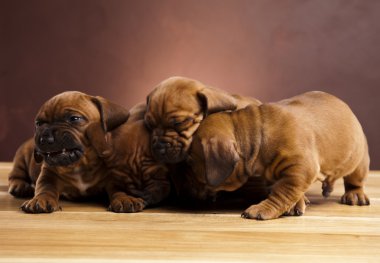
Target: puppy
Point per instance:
(135, 178)
(64, 160)
(176, 107)
(290, 144)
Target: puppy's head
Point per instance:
(175, 108)
(64, 122)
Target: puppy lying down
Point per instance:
(61, 159)
(135, 178)
(76, 135)
(291, 144)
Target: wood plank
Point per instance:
(86, 232)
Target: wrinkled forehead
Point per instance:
(173, 100)
(69, 103)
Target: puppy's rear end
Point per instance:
(339, 140)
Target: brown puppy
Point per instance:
(135, 178)
(290, 143)
(176, 107)
(70, 164)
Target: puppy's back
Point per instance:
(327, 123)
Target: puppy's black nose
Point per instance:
(47, 137)
(160, 146)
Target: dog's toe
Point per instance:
(260, 212)
(127, 204)
(355, 197)
(299, 208)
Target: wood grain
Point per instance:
(86, 232)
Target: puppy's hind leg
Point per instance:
(19, 187)
(25, 171)
(20, 181)
(354, 184)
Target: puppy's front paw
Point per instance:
(299, 208)
(355, 197)
(40, 204)
(127, 204)
(20, 188)
(260, 212)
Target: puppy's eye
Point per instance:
(76, 119)
(38, 123)
(177, 123)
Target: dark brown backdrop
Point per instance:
(120, 49)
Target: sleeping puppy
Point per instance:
(135, 178)
(290, 144)
(62, 160)
(176, 107)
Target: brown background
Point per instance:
(121, 49)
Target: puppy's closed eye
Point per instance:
(178, 122)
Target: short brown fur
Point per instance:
(71, 166)
(176, 107)
(291, 143)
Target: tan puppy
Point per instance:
(135, 178)
(290, 143)
(70, 164)
(176, 107)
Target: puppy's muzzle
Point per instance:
(58, 148)
(167, 152)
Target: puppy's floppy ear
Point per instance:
(111, 114)
(37, 157)
(213, 100)
(148, 99)
(99, 139)
(221, 157)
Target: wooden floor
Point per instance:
(86, 232)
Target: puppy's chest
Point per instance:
(82, 184)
